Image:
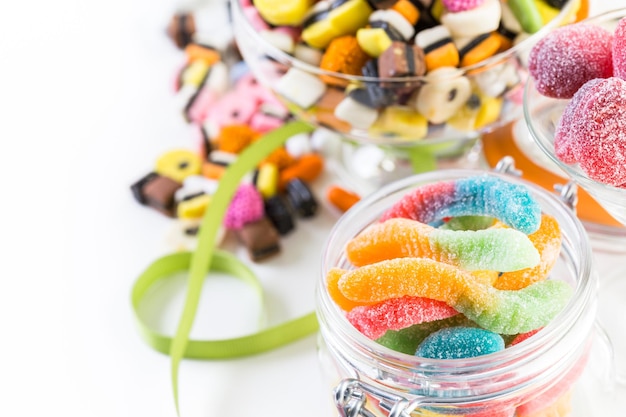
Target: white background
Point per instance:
(85, 109)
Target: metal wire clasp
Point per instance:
(351, 399)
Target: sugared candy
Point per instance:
(460, 343)
(245, 207)
(619, 46)
(479, 195)
(506, 312)
(597, 135)
(568, 57)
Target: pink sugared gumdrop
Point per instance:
(245, 207)
(598, 134)
(619, 50)
(461, 5)
(568, 57)
(562, 143)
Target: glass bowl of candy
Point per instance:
(397, 72)
(576, 117)
(420, 315)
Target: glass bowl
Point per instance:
(436, 109)
(542, 115)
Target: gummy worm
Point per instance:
(481, 195)
(488, 249)
(505, 312)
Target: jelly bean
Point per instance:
(307, 168)
(479, 195)
(397, 313)
(487, 249)
(547, 241)
(568, 57)
(178, 164)
(341, 198)
(506, 312)
(460, 343)
(267, 180)
(245, 207)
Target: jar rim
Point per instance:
(584, 291)
(290, 60)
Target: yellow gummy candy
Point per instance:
(283, 12)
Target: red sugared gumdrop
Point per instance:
(562, 139)
(619, 50)
(568, 57)
(598, 133)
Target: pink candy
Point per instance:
(568, 57)
(397, 313)
(245, 207)
(619, 48)
(461, 5)
(597, 133)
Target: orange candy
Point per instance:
(235, 138)
(547, 240)
(408, 10)
(198, 52)
(341, 198)
(308, 167)
(281, 158)
(343, 55)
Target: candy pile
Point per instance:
(230, 110)
(586, 63)
(453, 270)
(428, 54)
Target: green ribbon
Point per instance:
(206, 258)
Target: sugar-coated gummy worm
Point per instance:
(481, 195)
(459, 343)
(547, 241)
(488, 249)
(397, 313)
(505, 312)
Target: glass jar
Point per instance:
(372, 380)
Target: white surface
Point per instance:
(84, 98)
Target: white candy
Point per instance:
(471, 23)
(307, 54)
(280, 40)
(326, 142)
(355, 113)
(196, 184)
(222, 157)
(443, 94)
(396, 20)
(428, 37)
(218, 79)
(298, 145)
(496, 80)
(300, 87)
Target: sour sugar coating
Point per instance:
(408, 339)
(562, 139)
(487, 249)
(598, 137)
(505, 312)
(481, 195)
(568, 57)
(397, 313)
(547, 241)
(619, 46)
(460, 343)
